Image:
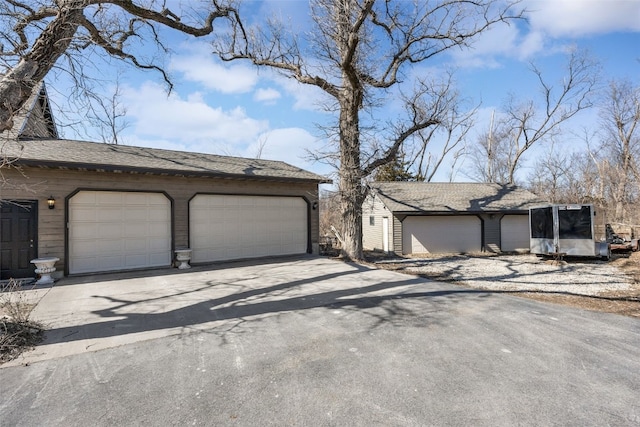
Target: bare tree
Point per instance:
(525, 123)
(450, 133)
(554, 174)
(620, 116)
(356, 54)
(35, 34)
(606, 173)
(491, 157)
(106, 113)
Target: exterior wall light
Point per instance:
(314, 206)
(51, 202)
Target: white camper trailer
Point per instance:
(558, 230)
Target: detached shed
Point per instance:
(100, 207)
(417, 217)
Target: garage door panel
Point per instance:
(117, 231)
(84, 264)
(133, 260)
(110, 262)
(135, 245)
(82, 230)
(108, 198)
(81, 213)
(108, 247)
(441, 234)
(108, 231)
(225, 227)
(108, 214)
(514, 233)
(135, 230)
(159, 215)
(136, 214)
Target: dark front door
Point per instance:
(18, 234)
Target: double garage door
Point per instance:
(224, 227)
(110, 231)
(441, 234)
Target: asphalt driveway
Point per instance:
(310, 341)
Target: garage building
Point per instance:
(101, 207)
(419, 218)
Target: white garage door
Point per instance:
(514, 233)
(441, 234)
(224, 227)
(111, 230)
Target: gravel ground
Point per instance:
(522, 273)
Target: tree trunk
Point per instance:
(17, 85)
(351, 190)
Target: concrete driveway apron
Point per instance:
(312, 341)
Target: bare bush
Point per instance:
(17, 331)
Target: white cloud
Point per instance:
(268, 95)
(187, 123)
(548, 20)
(199, 65)
(498, 41)
(306, 97)
(187, 120)
(289, 145)
(532, 44)
(576, 18)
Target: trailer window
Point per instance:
(574, 223)
(541, 223)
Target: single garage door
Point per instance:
(111, 230)
(514, 233)
(441, 234)
(224, 227)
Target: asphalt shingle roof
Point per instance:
(436, 197)
(123, 158)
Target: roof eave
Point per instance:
(505, 211)
(159, 171)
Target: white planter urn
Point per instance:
(45, 267)
(184, 256)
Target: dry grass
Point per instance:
(18, 332)
(625, 302)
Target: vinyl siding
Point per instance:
(372, 238)
(397, 234)
(491, 225)
(37, 126)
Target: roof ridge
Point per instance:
(89, 155)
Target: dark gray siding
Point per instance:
(491, 238)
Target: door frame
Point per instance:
(385, 234)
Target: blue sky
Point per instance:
(235, 109)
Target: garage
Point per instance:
(224, 227)
(441, 234)
(111, 230)
(514, 233)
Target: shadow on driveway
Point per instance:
(249, 292)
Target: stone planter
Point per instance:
(45, 267)
(184, 256)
